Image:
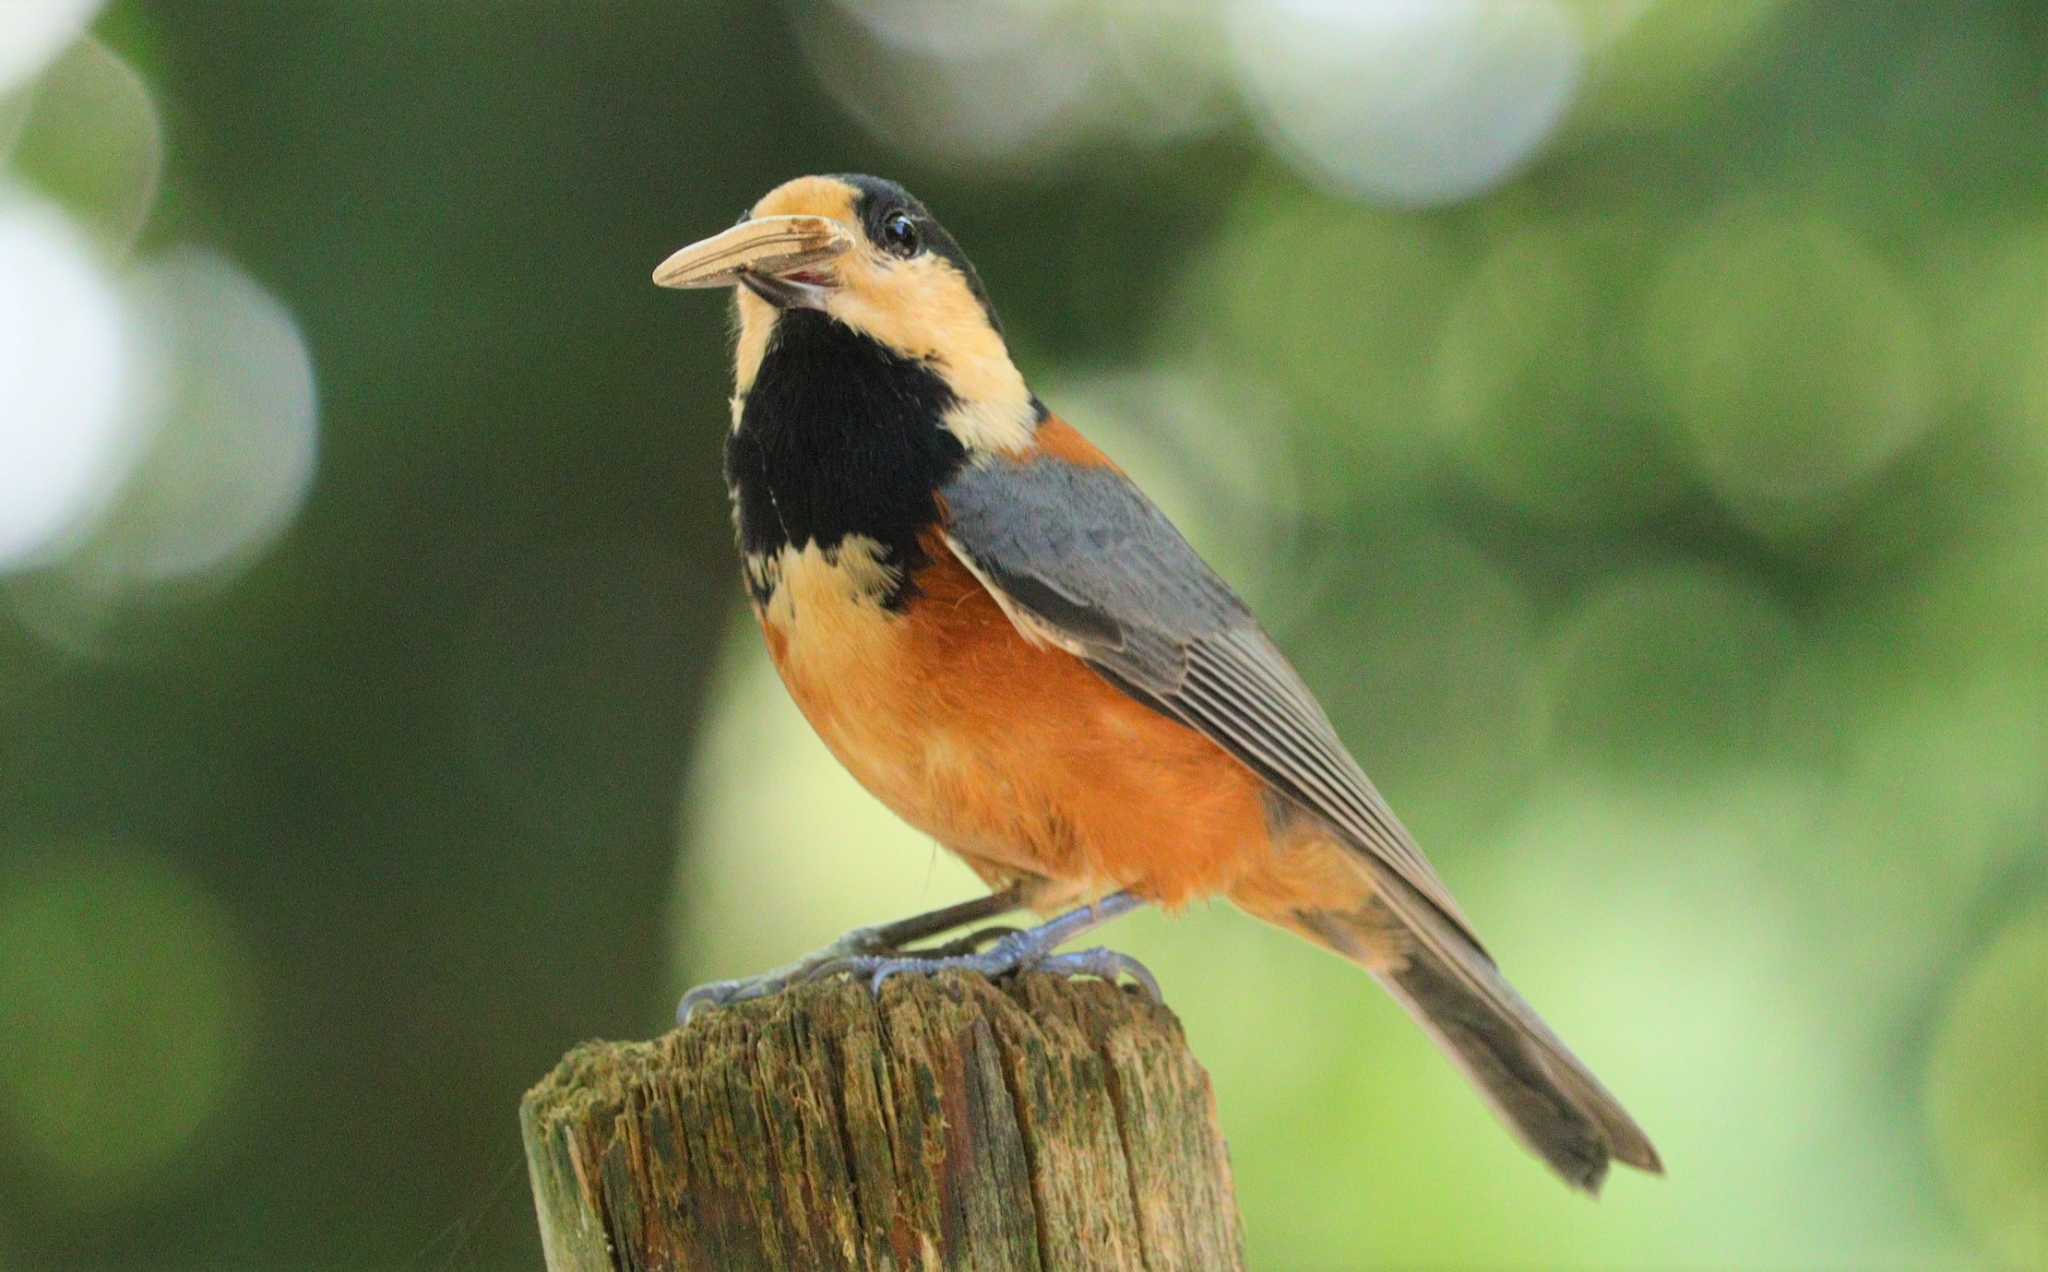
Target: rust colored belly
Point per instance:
(1015, 756)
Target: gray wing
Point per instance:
(1081, 558)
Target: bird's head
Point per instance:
(862, 252)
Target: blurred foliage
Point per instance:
(1633, 417)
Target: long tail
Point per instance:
(1540, 1090)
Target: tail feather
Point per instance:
(1539, 1089)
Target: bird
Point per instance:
(1007, 643)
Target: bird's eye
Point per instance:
(899, 234)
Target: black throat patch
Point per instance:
(839, 436)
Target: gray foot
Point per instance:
(1014, 951)
(859, 943)
(877, 953)
(1105, 965)
(998, 962)
(867, 942)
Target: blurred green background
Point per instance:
(1633, 415)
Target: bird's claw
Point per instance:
(859, 942)
(877, 953)
(1105, 964)
(727, 992)
(1013, 952)
(869, 944)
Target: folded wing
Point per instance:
(1081, 559)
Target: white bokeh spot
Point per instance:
(34, 31)
(90, 102)
(230, 408)
(220, 436)
(65, 440)
(1407, 102)
(1017, 83)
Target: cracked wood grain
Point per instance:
(1040, 1123)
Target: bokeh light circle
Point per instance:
(129, 1002)
(233, 423)
(35, 31)
(1660, 671)
(1407, 102)
(945, 28)
(14, 112)
(1795, 362)
(64, 364)
(1018, 82)
(942, 90)
(1172, 77)
(1988, 1094)
(1262, 299)
(223, 427)
(1993, 332)
(1538, 384)
(1654, 59)
(91, 136)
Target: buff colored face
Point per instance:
(808, 244)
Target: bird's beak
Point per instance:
(772, 256)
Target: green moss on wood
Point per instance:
(1043, 1123)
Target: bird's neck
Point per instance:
(839, 439)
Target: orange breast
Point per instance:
(1014, 755)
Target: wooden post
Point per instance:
(1040, 1123)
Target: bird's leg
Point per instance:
(864, 942)
(967, 944)
(886, 937)
(1016, 951)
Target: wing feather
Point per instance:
(1079, 555)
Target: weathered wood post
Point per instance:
(1040, 1123)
